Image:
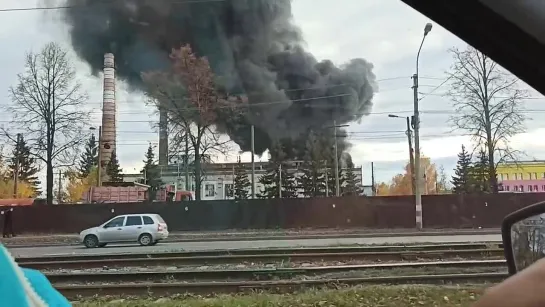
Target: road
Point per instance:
(212, 245)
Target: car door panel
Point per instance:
(133, 228)
(113, 231)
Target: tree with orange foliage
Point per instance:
(401, 183)
(383, 189)
(189, 95)
(24, 189)
(77, 186)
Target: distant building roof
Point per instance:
(17, 202)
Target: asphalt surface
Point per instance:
(211, 245)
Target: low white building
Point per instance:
(219, 178)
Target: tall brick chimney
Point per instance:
(108, 115)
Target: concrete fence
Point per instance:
(439, 211)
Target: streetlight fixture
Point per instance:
(410, 142)
(427, 28)
(418, 192)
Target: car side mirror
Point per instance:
(523, 235)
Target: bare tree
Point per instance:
(48, 106)
(211, 145)
(189, 94)
(487, 104)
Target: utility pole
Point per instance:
(373, 187)
(16, 170)
(326, 181)
(418, 181)
(99, 169)
(280, 180)
(145, 176)
(418, 192)
(186, 161)
(411, 156)
(253, 160)
(178, 173)
(337, 185)
(336, 160)
(59, 196)
(436, 184)
(234, 177)
(408, 132)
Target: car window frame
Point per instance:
(105, 225)
(139, 216)
(149, 217)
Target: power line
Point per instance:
(499, 97)
(434, 112)
(96, 3)
(437, 87)
(257, 104)
(370, 132)
(439, 112)
(285, 90)
(405, 137)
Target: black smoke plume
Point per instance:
(252, 45)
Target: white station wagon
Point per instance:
(146, 229)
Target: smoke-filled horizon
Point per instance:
(252, 45)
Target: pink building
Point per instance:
(528, 186)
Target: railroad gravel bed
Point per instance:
(368, 273)
(247, 266)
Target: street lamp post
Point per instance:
(410, 143)
(418, 192)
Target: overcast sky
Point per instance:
(387, 33)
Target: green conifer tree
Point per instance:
(278, 172)
(28, 168)
(462, 179)
(89, 158)
(312, 180)
(113, 170)
(352, 186)
(242, 184)
(152, 173)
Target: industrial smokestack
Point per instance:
(108, 138)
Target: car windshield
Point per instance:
(255, 124)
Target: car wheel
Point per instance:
(102, 244)
(90, 241)
(145, 239)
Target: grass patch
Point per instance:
(370, 296)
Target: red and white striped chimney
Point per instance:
(108, 115)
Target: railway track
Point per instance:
(252, 274)
(263, 258)
(283, 286)
(397, 253)
(262, 251)
(127, 275)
